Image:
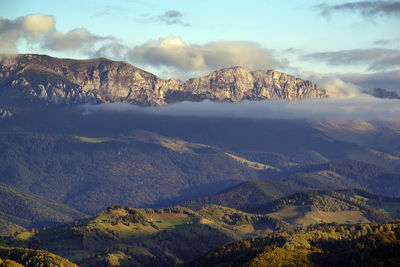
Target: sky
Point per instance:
(345, 46)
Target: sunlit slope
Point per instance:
(131, 236)
(322, 245)
(12, 256)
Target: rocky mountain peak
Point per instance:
(101, 80)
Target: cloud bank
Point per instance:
(389, 80)
(41, 30)
(375, 58)
(362, 107)
(72, 40)
(174, 52)
(333, 84)
(348, 85)
(31, 27)
(170, 52)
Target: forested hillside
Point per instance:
(18, 257)
(253, 192)
(174, 235)
(104, 158)
(32, 211)
(320, 245)
(346, 174)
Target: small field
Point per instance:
(23, 236)
(97, 140)
(346, 217)
(250, 164)
(291, 213)
(254, 229)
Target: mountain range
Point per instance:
(103, 81)
(112, 188)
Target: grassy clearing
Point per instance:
(97, 140)
(358, 197)
(169, 224)
(75, 255)
(250, 164)
(24, 236)
(254, 229)
(342, 217)
(290, 213)
(174, 144)
(302, 215)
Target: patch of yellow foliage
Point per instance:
(250, 164)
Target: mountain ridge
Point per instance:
(382, 93)
(100, 80)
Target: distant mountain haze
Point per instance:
(383, 93)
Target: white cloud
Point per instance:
(389, 80)
(30, 27)
(335, 87)
(38, 29)
(347, 85)
(373, 58)
(174, 52)
(72, 40)
(38, 25)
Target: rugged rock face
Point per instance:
(102, 81)
(236, 84)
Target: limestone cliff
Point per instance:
(236, 84)
(103, 81)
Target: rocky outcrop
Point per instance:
(383, 93)
(237, 84)
(103, 81)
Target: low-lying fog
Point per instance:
(359, 107)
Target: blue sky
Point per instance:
(183, 38)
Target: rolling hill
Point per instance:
(12, 256)
(175, 235)
(248, 193)
(127, 236)
(301, 208)
(343, 206)
(345, 174)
